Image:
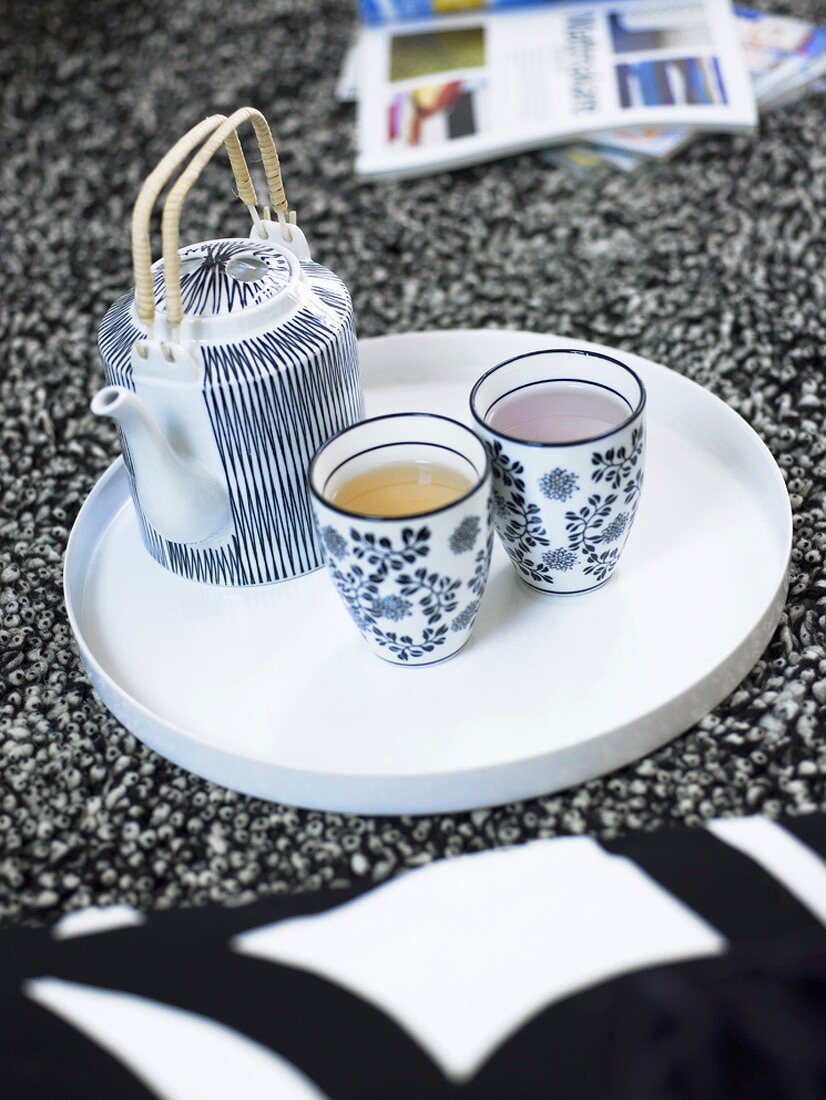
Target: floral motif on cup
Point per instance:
(437, 593)
(617, 463)
(482, 560)
(584, 526)
(465, 536)
(560, 560)
(360, 592)
(558, 484)
(334, 543)
(404, 647)
(364, 565)
(518, 522)
(615, 528)
(586, 532)
(632, 490)
(588, 528)
(392, 607)
(602, 565)
(465, 618)
(380, 552)
(499, 503)
(508, 473)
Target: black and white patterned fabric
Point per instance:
(686, 964)
(712, 264)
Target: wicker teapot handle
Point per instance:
(170, 223)
(152, 187)
(224, 132)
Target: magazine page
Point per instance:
(783, 55)
(582, 158)
(393, 11)
(793, 52)
(347, 88)
(459, 90)
(650, 142)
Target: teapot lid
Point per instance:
(227, 277)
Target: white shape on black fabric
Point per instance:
(181, 1055)
(779, 852)
(464, 952)
(86, 922)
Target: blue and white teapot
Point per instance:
(231, 363)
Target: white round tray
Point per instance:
(271, 690)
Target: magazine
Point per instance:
(786, 53)
(583, 158)
(785, 57)
(446, 92)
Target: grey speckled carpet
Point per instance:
(713, 264)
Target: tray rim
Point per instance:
(730, 670)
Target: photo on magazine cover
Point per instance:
(436, 113)
(420, 54)
(671, 82)
(678, 27)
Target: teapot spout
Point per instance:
(179, 497)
